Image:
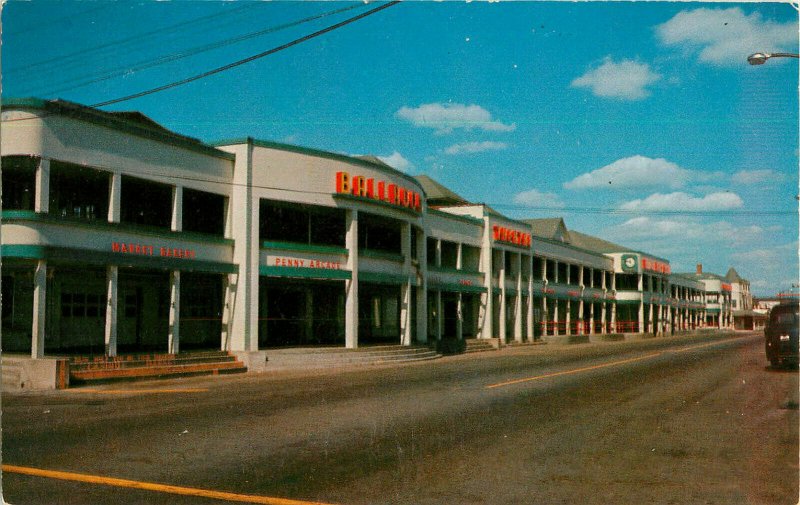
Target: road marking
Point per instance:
(610, 364)
(151, 486)
(574, 371)
(136, 391)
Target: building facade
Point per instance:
(119, 235)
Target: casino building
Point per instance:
(119, 235)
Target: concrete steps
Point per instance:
(481, 344)
(310, 357)
(95, 370)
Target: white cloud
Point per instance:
(445, 117)
(685, 202)
(685, 233)
(765, 176)
(727, 36)
(536, 198)
(476, 147)
(634, 172)
(626, 80)
(397, 161)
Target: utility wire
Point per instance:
(249, 59)
(56, 21)
(65, 59)
(127, 70)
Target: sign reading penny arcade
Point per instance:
(367, 187)
(509, 236)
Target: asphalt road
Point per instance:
(698, 420)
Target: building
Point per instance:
(718, 302)
(120, 235)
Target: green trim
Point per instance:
(319, 154)
(712, 311)
(297, 246)
(372, 201)
(468, 219)
(108, 120)
(628, 302)
(434, 268)
(384, 278)
(303, 273)
(457, 288)
(381, 255)
(103, 226)
(100, 258)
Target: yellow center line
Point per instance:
(136, 391)
(151, 486)
(573, 371)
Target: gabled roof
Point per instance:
(374, 159)
(733, 275)
(596, 244)
(551, 228)
(438, 195)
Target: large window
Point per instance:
(146, 202)
(303, 224)
(19, 182)
(78, 192)
(449, 254)
(627, 282)
(378, 234)
(203, 212)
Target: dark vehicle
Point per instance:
(781, 334)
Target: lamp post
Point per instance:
(761, 58)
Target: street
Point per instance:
(676, 420)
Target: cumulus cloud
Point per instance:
(397, 161)
(536, 198)
(686, 232)
(476, 147)
(683, 201)
(626, 80)
(445, 117)
(634, 172)
(726, 36)
(757, 176)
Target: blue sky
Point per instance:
(640, 122)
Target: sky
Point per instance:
(640, 123)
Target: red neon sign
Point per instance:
(151, 250)
(377, 190)
(656, 266)
(503, 234)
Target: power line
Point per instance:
(127, 70)
(249, 59)
(56, 21)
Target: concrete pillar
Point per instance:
(503, 307)
(518, 300)
(42, 193)
(112, 301)
(604, 311)
(614, 317)
(591, 318)
(351, 285)
(115, 198)
(529, 307)
(177, 208)
(556, 331)
(459, 301)
(405, 289)
(568, 314)
(39, 309)
(173, 343)
(422, 288)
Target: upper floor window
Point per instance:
(19, 182)
(203, 212)
(78, 192)
(449, 254)
(301, 223)
(627, 282)
(378, 234)
(146, 202)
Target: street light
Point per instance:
(761, 58)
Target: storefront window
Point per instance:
(627, 282)
(19, 182)
(431, 252)
(203, 212)
(146, 202)
(78, 192)
(449, 254)
(378, 234)
(538, 265)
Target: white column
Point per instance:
(177, 208)
(351, 285)
(422, 289)
(405, 289)
(529, 308)
(487, 298)
(591, 318)
(439, 315)
(518, 300)
(502, 280)
(115, 198)
(112, 301)
(173, 343)
(568, 316)
(603, 319)
(39, 309)
(459, 300)
(42, 195)
(614, 317)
